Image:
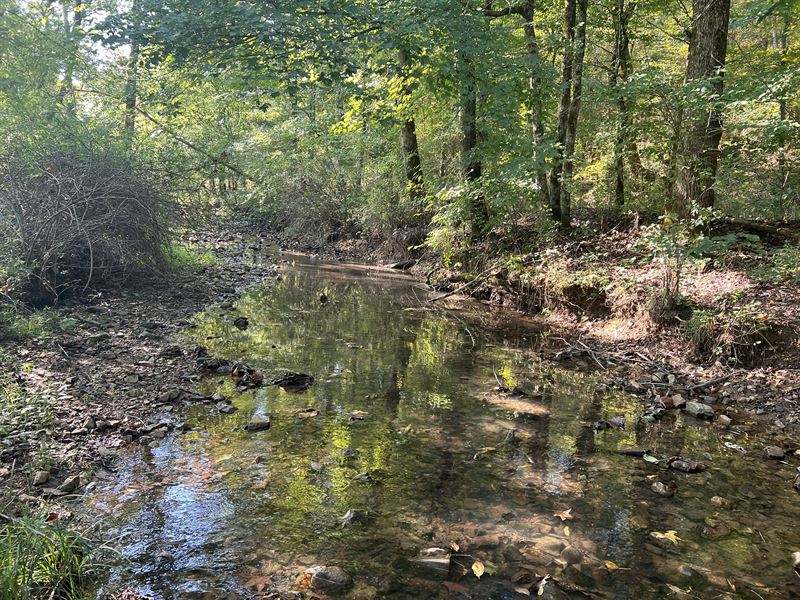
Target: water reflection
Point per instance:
(412, 433)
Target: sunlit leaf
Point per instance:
(670, 535)
(478, 568)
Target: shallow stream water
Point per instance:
(412, 431)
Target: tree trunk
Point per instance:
(574, 113)
(471, 166)
(535, 97)
(568, 37)
(408, 137)
(707, 47)
(132, 92)
(620, 69)
(71, 30)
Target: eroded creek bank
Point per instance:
(435, 455)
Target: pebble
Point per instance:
(225, 408)
(774, 453)
(718, 501)
(70, 484)
(661, 489)
(699, 410)
(41, 477)
(723, 420)
(329, 578)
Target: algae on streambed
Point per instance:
(220, 512)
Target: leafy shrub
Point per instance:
(782, 264)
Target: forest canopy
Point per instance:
(439, 122)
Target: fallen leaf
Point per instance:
(564, 514)
(566, 531)
(670, 535)
(258, 583)
(455, 547)
(478, 568)
(611, 565)
(651, 459)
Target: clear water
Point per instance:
(217, 512)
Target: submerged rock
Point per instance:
(686, 466)
(294, 382)
(699, 410)
(258, 423)
(325, 578)
(661, 489)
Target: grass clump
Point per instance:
(42, 560)
(185, 257)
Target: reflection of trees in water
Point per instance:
(425, 383)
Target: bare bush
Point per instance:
(79, 218)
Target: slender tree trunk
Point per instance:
(71, 28)
(568, 38)
(535, 96)
(132, 92)
(471, 166)
(620, 69)
(408, 136)
(707, 48)
(574, 113)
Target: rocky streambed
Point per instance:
(434, 453)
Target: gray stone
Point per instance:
(661, 489)
(41, 477)
(774, 453)
(258, 423)
(225, 408)
(699, 410)
(572, 555)
(329, 578)
(723, 420)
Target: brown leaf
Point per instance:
(564, 514)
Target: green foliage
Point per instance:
(41, 560)
(186, 257)
(782, 264)
(740, 333)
